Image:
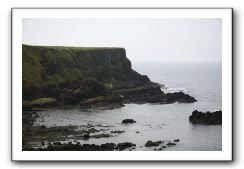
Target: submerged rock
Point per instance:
(207, 118)
(127, 121)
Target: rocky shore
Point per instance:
(58, 146)
(69, 138)
(208, 118)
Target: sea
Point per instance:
(156, 122)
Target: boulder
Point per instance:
(176, 140)
(127, 121)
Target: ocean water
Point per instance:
(158, 122)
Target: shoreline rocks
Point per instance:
(207, 118)
(40, 104)
(58, 146)
(103, 102)
(163, 144)
(151, 93)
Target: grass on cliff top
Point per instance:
(77, 48)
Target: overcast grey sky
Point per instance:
(170, 40)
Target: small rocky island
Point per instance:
(208, 118)
(99, 78)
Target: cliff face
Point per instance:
(48, 70)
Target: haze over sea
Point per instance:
(155, 122)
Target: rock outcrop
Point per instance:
(208, 118)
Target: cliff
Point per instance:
(72, 74)
(46, 70)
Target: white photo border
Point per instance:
(17, 14)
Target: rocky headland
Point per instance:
(98, 78)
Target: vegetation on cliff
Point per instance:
(73, 75)
(48, 70)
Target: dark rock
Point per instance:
(176, 140)
(150, 93)
(127, 121)
(179, 97)
(152, 144)
(85, 147)
(137, 132)
(117, 132)
(122, 146)
(207, 118)
(171, 144)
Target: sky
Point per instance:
(166, 40)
